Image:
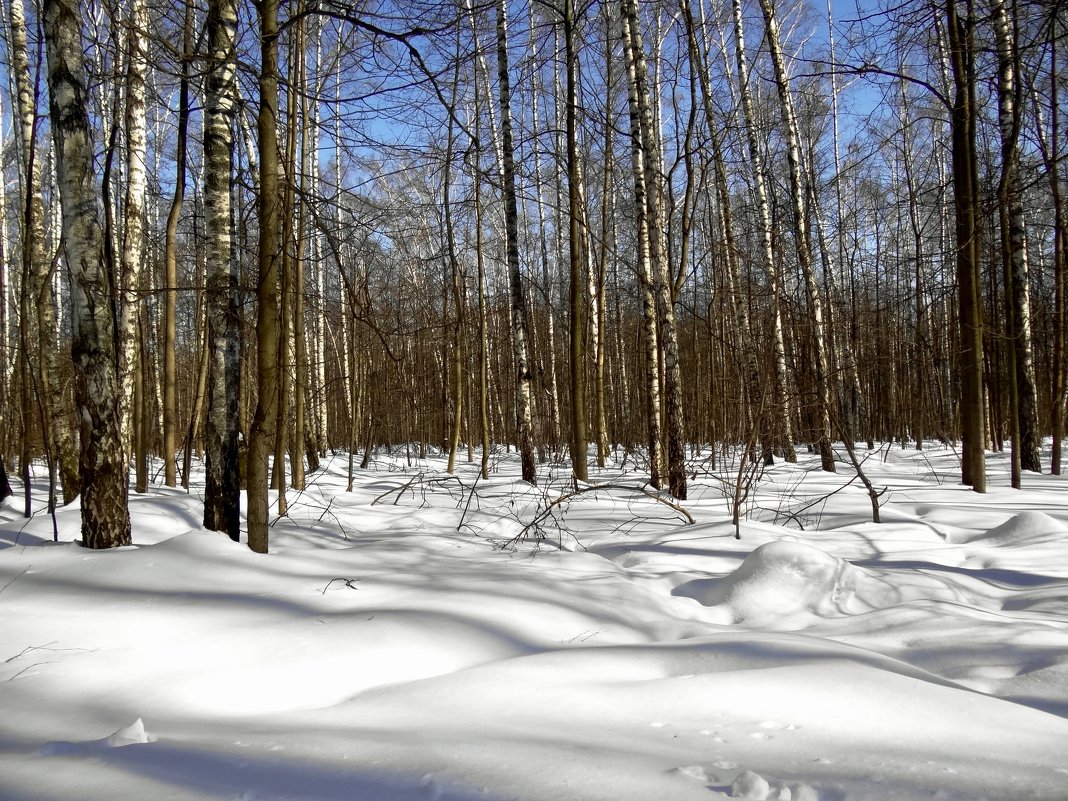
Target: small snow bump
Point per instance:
(133, 734)
(799, 791)
(750, 785)
(697, 772)
(430, 788)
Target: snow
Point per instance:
(400, 643)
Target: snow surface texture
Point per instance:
(412, 649)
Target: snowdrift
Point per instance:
(396, 652)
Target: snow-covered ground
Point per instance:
(400, 643)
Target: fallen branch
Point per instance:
(568, 496)
(348, 582)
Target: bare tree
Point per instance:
(222, 491)
(520, 328)
(264, 420)
(802, 239)
(962, 123)
(105, 515)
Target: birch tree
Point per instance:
(781, 410)
(37, 298)
(222, 491)
(520, 327)
(1014, 253)
(105, 515)
(133, 232)
(802, 239)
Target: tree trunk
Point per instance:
(804, 249)
(1050, 147)
(1014, 250)
(520, 335)
(105, 515)
(222, 491)
(663, 286)
(965, 202)
(133, 231)
(646, 275)
(170, 263)
(37, 291)
(781, 407)
(264, 419)
(576, 251)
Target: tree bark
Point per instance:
(105, 515)
(170, 263)
(804, 249)
(520, 328)
(965, 202)
(576, 250)
(1014, 250)
(264, 419)
(646, 274)
(37, 290)
(1049, 146)
(133, 231)
(222, 491)
(781, 407)
(663, 285)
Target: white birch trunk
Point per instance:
(646, 276)
(804, 250)
(1015, 243)
(520, 336)
(134, 205)
(778, 344)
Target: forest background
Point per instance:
(259, 231)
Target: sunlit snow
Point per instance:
(418, 639)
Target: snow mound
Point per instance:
(1025, 527)
(780, 585)
(750, 785)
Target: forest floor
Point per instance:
(434, 637)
